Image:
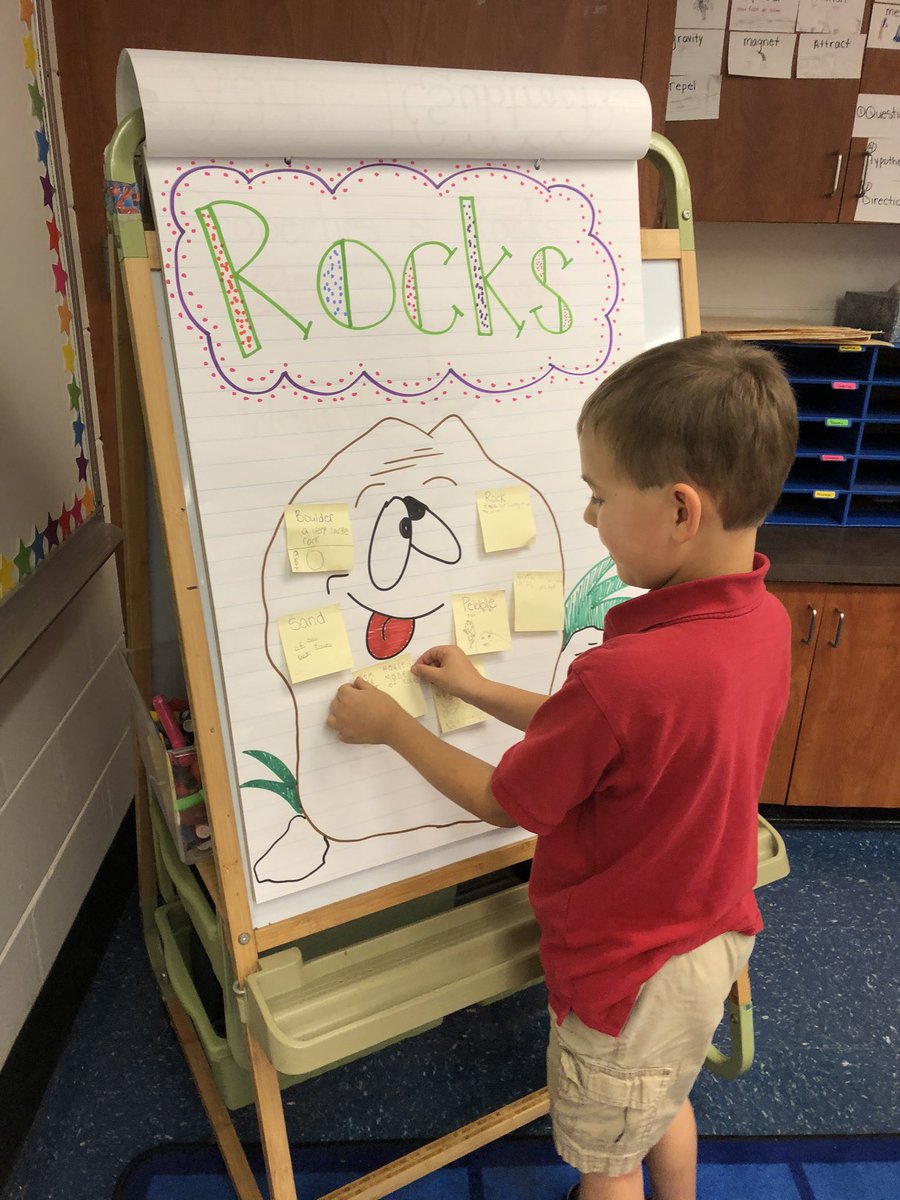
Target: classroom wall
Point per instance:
(66, 759)
(66, 781)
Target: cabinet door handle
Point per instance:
(837, 629)
(813, 614)
(839, 162)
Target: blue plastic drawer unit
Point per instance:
(847, 470)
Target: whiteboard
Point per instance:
(386, 338)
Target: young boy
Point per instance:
(640, 775)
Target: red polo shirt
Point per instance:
(641, 777)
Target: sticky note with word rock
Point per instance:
(537, 601)
(481, 622)
(319, 537)
(315, 643)
(395, 677)
(507, 520)
(453, 713)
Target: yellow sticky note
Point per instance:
(319, 537)
(506, 517)
(481, 622)
(315, 643)
(537, 601)
(394, 677)
(453, 713)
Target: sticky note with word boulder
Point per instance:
(319, 537)
(506, 517)
(537, 601)
(481, 622)
(315, 643)
(453, 713)
(395, 677)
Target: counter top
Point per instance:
(819, 554)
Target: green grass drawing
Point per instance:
(284, 786)
(599, 590)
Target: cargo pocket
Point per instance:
(608, 1106)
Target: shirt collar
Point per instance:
(718, 596)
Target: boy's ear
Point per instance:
(688, 508)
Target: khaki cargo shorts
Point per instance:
(612, 1099)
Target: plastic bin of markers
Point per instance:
(174, 779)
(185, 807)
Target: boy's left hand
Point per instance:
(362, 714)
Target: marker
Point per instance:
(169, 724)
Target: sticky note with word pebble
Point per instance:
(453, 713)
(319, 537)
(507, 520)
(315, 643)
(395, 678)
(537, 601)
(481, 622)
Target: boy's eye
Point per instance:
(595, 500)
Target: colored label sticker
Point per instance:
(832, 458)
(849, 349)
(824, 495)
(837, 422)
(844, 385)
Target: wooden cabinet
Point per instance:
(838, 745)
(782, 149)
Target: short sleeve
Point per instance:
(567, 749)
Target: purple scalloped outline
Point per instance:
(450, 374)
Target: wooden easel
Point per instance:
(144, 406)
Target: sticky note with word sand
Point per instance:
(315, 643)
(506, 517)
(537, 601)
(481, 622)
(453, 713)
(395, 678)
(319, 537)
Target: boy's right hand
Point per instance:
(448, 667)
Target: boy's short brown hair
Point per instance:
(707, 410)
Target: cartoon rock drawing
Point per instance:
(412, 505)
(411, 493)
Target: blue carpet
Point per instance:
(523, 1168)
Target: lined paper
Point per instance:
(395, 337)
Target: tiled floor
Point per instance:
(826, 980)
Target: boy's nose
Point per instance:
(589, 516)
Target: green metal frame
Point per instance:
(676, 188)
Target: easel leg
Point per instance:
(272, 1129)
(740, 1025)
(219, 1117)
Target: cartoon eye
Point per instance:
(390, 544)
(431, 536)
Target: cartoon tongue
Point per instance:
(387, 636)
